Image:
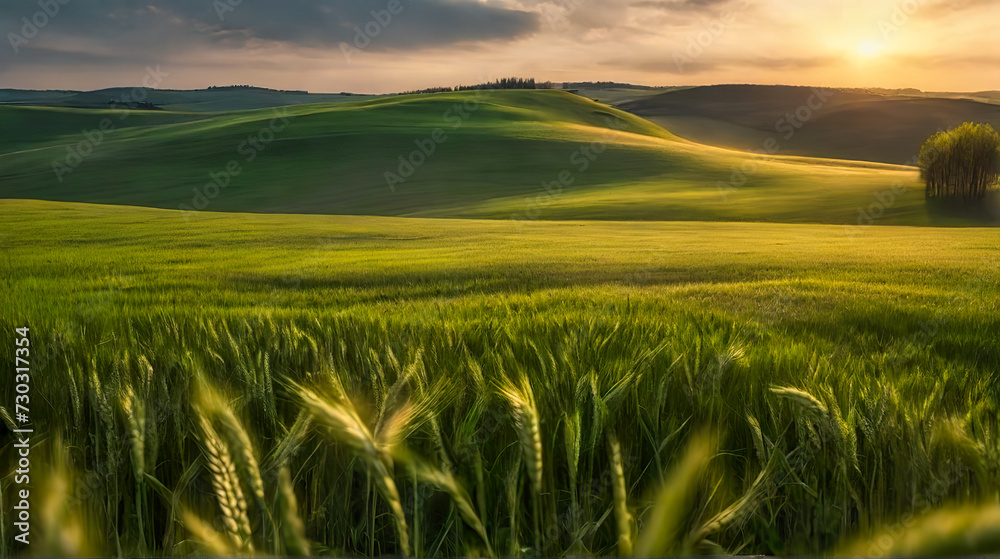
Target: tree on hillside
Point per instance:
(962, 164)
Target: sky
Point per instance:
(384, 46)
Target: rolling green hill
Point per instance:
(878, 125)
(496, 156)
(196, 100)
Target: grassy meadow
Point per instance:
(499, 156)
(230, 383)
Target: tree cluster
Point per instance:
(962, 164)
(502, 83)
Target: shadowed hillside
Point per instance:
(849, 124)
(196, 100)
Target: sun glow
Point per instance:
(870, 49)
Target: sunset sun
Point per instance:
(869, 49)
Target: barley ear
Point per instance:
(227, 488)
(216, 407)
(136, 416)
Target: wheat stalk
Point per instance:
(344, 424)
(104, 410)
(758, 438)
(622, 514)
(227, 488)
(74, 394)
(446, 481)
(572, 437)
(521, 400)
(104, 413)
(135, 413)
(661, 533)
(246, 456)
(147, 368)
(290, 444)
(292, 530)
(803, 399)
(737, 513)
(513, 482)
(214, 542)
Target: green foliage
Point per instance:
(961, 164)
(434, 388)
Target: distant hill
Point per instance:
(863, 125)
(525, 155)
(608, 85)
(34, 96)
(215, 99)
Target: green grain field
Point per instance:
(491, 368)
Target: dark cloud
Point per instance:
(51, 56)
(169, 26)
(665, 15)
(419, 23)
(628, 16)
(681, 5)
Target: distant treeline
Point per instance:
(258, 88)
(142, 105)
(502, 83)
(605, 85)
(883, 91)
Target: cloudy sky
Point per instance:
(383, 46)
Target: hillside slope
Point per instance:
(498, 156)
(843, 124)
(196, 100)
